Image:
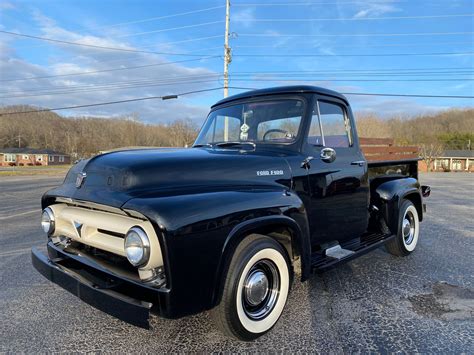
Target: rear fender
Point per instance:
(390, 195)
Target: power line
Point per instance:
(362, 70)
(187, 82)
(120, 87)
(387, 95)
(158, 18)
(242, 55)
(354, 34)
(310, 3)
(408, 95)
(353, 55)
(148, 46)
(322, 75)
(178, 83)
(240, 76)
(109, 70)
(97, 46)
(171, 29)
(187, 40)
(220, 88)
(116, 102)
(360, 18)
(352, 80)
(143, 47)
(471, 43)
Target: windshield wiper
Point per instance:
(202, 145)
(233, 144)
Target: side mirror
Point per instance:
(328, 155)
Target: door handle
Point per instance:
(305, 163)
(358, 162)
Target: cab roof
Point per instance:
(295, 89)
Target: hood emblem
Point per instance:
(80, 179)
(78, 226)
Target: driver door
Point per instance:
(339, 187)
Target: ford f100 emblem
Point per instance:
(270, 172)
(80, 179)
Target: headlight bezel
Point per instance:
(144, 246)
(51, 220)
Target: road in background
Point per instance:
(380, 303)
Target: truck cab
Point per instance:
(275, 186)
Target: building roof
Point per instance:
(29, 151)
(283, 90)
(458, 154)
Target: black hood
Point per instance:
(114, 178)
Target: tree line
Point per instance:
(83, 137)
(86, 136)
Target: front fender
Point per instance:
(197, 228)
(392, 192)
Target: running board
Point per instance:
(326, 259)
(336, 252)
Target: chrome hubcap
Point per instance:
(261, 289)
(256, 287)
(408, 228)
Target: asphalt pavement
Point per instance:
(377, 303)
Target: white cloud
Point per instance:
(5, 5)
(245, 17)
(396, 107)
(377, 9)
(169, 78)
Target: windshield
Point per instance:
(273, 121)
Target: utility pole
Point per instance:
(227, 50)
(19, 140)
(227, 60)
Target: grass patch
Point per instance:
(36, 170)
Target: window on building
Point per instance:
(9, 158)
(457, 164)
(61, 158)
(51, 158)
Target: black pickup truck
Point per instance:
(275, 185)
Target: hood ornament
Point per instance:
(80, 179)
(78, 226)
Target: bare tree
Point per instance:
(429, 152)
(370, 126)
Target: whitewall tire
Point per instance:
(256, 288)
(408, 230)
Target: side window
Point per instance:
(336, 125)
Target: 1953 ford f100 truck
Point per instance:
(276, 185)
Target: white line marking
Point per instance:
(15, 252)
(19, 214)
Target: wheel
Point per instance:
(408, 231)
(255, 289)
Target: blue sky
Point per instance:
(265, 28)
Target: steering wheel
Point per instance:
(275, 131)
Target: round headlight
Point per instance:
(47, 221)
(137, 246)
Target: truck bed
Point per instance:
(383, 158)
